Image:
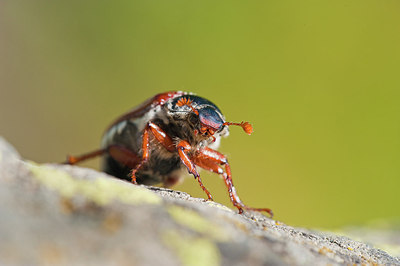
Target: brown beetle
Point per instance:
(170, 132)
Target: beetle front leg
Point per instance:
(183, 147)
(145, 153)
(211, 160)
(160, 136)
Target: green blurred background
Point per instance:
(319, 81)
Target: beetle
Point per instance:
(169, 133)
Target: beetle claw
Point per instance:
(269, 211)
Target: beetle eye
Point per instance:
(209, 117)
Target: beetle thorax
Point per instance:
(183, 126)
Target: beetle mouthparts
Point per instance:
(247, 127)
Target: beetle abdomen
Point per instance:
(124, 135)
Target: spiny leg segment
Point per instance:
(211, 160)
(160, 136)
(183, 147)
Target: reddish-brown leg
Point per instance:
(183, 147)
(210, 160)
(124, 155)
(145, 153)
(160, 136)
(119, 153)
(205, 189)
(84, 157)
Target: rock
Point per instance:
(61, 214)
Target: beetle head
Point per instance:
(205, 116)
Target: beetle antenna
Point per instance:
(247, 127)
(185, 101)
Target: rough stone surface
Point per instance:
(68, 215)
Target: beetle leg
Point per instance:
(184, 146)
(84, 157)
(117, 152)
(145, 153)
(160, 136)
(123, 155)
(211, 160)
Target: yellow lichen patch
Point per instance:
(324, 250)
(194, 221)
(102, 191)
(193, 251)
(349, 248)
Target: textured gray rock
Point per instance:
(60, 214)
